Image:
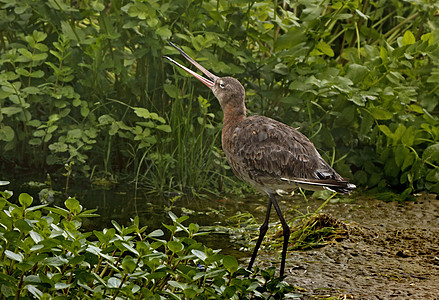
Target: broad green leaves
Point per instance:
(380, 114)
(408, 38)
(49, 254)
(7, 134)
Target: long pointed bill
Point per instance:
(207, 82)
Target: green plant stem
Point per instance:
(120, 285)
(324, 203)
(20, 284)
(397, 27)
(358, 40)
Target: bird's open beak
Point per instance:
(207, 82)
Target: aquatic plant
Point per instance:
(45, 254)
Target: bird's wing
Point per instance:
(275, 154)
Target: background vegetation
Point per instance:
(83, 84)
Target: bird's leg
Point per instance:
(262, 232)
(286, 232)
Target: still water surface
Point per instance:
(124, 203)
(122, 206)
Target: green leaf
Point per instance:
(7, 134)
(431, 153)
(39, 56)
(31, 90)
(380, 114)
(366, 125)
(433, 175)
(397, 135)
(39, 133)
(171, 90)
(360, 13)
(114, 283)
(84, 111)
(62, 285)
(384, 129)
(37, 74)
(294, 37)
(357, 72)
(400, 153)
(11, 110)
(164, 32)
(175, 246)
(156, 233)
(24, 267)
(395, 77)
(23, 225)
(165, 128)
(36, 237)
(408, 38)
(409, 160)
(179, 285)
(34, 291)
(139, 10)
(25, 200)
(14, 256)
(39, 36)
(55, 261)
(6, 194)
(155, 116)
(142, 112)
(128, 264)
(73, 205)
(193, 228)
(325, 48)
(22, 72)
(230, 291)
(200, 254)
(130, 248)
(26, 53)
(408, 136)
(230, 263)
(58, 147)
(59, 211)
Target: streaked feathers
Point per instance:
(271, 155)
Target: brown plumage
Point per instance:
(267, 154)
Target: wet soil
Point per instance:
(391, 252)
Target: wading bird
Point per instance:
(265, 153)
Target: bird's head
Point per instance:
(229, 91)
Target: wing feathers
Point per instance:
(265, 153)
(343, 187)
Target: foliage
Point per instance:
(82, 89)
(46, 255)
(85, 82)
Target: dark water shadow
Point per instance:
(122, 205)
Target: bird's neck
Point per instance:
(233, 114)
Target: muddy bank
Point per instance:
(391, 252)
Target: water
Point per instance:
(124, 203)
(212, 213)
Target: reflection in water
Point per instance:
(122, 206)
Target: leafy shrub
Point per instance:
(45, 255)
(85, 82)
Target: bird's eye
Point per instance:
(221, 85)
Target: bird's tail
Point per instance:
(339, 186)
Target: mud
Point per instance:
(391, 252)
